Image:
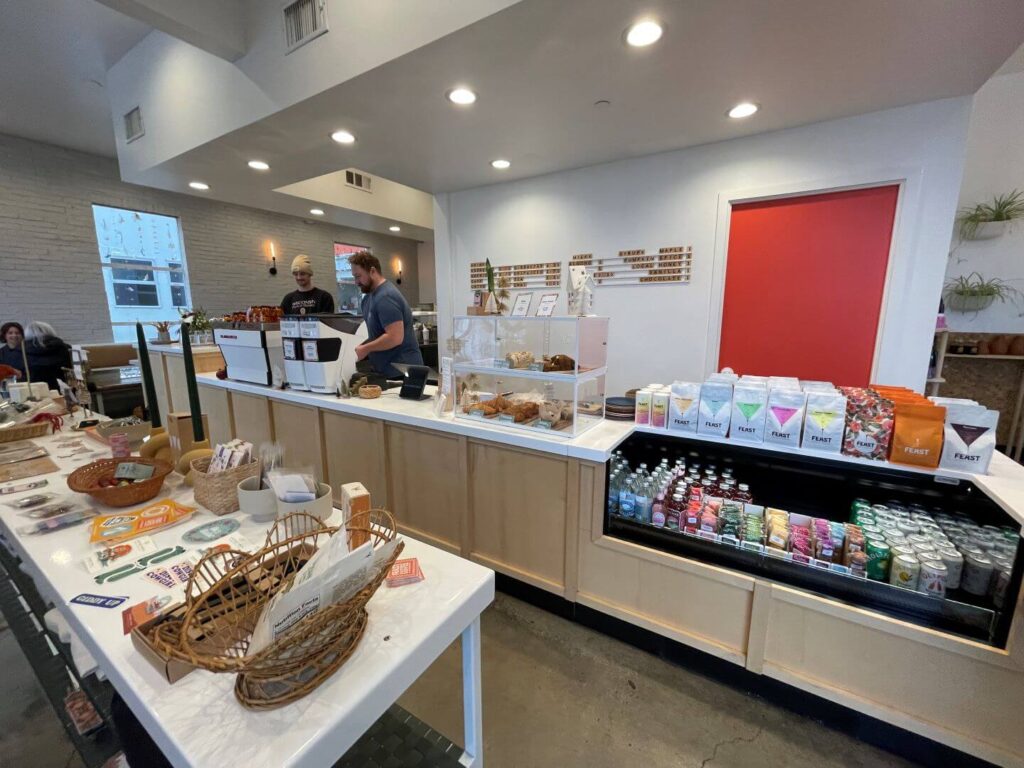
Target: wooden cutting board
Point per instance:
(30, 468)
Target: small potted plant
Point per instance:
(989, 220)
(200, 328)
(973, 293)
(163, 332)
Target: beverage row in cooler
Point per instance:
(901, 544)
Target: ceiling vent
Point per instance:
(304, 20)
(133, 127)
(359, 180)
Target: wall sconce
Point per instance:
(270, 251)
(397, 266)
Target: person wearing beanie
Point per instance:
(308, 300)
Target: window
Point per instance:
(349, 296)
(144, 270)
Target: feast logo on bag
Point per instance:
(785, 417)
(917, 437)
(715, 408)
(825, 421)
(970, 433)
(748, 404)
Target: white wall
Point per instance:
(661, 333)
(994, 166)
(428, 279)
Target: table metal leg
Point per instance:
(472, 698)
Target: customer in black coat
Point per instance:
(47, 353)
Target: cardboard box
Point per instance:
(179, 430)
(355, 507)
(171, 669)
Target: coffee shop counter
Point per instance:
(533, 508)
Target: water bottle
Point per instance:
(613, 493)
(643, 501)
(627, 498)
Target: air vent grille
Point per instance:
(304, 20)
(133, 127)
(359, 180)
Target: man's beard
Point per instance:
(365, 288)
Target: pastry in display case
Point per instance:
(536, 373)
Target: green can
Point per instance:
(879, 554)
(857, 506)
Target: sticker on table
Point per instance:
(104, 558)
(142, 612)
(23, 487)
(211, 531)
(98, 601)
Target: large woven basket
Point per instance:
(218, 491)
(24, 432)
(228, 591)
(87, 480)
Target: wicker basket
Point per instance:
(218, 491)
(86, 480)
(227, 593)
(24, 432)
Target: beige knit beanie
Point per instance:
(301, 263)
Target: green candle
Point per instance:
(193, 389)
(147, 377)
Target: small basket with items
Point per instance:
(215, 478)
(286, 617)
(120, 482)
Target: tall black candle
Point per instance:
(198, 434)
(147, 377)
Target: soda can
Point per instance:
(918, 538)
(1002, 583)
(902, 549)
(954, 563)
(873, 529)
(858, 505)
(977, 575)
(905, 571)
(878, 553)
(927, 547)
(908, 527)
(933, 578)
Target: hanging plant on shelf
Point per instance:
(988, 220)
(973, 293)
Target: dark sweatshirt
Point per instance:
(12, 357)
(46, 360)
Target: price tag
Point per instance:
(535, 367)
(506, 418)
(500, 363)
(543, 424)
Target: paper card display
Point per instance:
(715, 408)
(521, 305)
(546, 306)
(748, 408)
(121, 526)
(784, 417)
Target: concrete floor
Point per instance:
(555, 694)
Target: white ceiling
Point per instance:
(1013, 64)
(54, 56)
(540, 65)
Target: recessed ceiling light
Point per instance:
(461, 96)
(343, 137)
(643, 33)
(743, 109)
(317, 211)
(199, 185)
(395, 228)
(259, 165)
(501, 165)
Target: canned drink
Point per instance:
(876, 530)
(970, 549)
(954, 563)
(878, 553)
(1002, 583)
(905, 571)
(908, 527)
(879, 508)
(902, 549)
(926, 547)
(893, 534)
(977, 574)
(933, 578)
(918, 538)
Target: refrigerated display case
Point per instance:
(952, 510)
(533, 373)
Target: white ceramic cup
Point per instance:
(321, 507)
(259, 504)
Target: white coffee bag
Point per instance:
(785, 417)
(684, 406)
(970, 438)
(748, 406)
(715, 408)
(824, 421)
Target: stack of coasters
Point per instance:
(404, 572)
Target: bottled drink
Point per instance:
(658, 510)
(627, 498)
(643, 500)
(613, 493)
(743, 493)
(675, 508)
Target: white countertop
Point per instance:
(176, 349)
(596, 444)
(197, 721)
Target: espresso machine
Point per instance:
(291, 343)
(251, 351)
(327, 345)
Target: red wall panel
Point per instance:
(803, 284)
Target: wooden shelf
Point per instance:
(986, 357)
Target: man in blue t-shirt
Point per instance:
(388, 319)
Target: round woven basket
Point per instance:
(87, 480)
(228, 591)
(218, 491)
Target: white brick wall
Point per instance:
(50, 264)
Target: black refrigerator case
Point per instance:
(825, 487)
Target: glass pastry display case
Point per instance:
(928, 549)
(534, 373)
